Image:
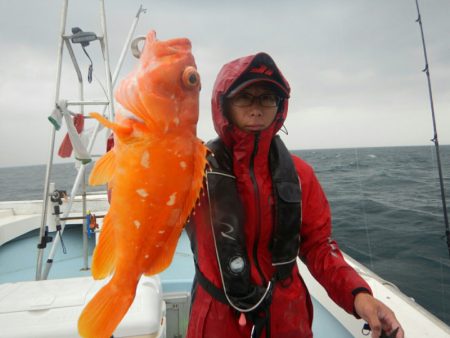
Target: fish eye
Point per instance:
(190, 77)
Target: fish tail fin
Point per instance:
(103, 260)
(104, 312)
(104, 169)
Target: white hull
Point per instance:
(416, 321)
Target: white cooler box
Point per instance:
(51, 308)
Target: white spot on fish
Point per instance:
(146, 256)
(145, 159)
(137, 224)
(183, 164)
(176, 120)
(161, 232)
(141, 192)
(172, 199)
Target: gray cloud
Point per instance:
(354, 66)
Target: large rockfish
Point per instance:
(155, 171)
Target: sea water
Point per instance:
(386, 207)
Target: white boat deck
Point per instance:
(19, 217)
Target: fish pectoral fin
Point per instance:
(118, 129)
(104, 169)
(164, 256)
(104, 258)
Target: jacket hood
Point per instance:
(244, 71)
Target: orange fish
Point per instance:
(155, 172)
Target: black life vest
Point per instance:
(227, 221)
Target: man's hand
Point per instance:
(377, 314)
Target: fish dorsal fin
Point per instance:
(104, 169)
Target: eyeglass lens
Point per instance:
(246, 100)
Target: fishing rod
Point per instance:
(435, 136)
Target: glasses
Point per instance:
(264, 100)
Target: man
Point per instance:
(261, 209)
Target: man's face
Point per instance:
(253, 108)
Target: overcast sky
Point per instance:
(354, 65)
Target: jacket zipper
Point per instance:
(258, 209)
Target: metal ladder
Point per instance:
(62, 109)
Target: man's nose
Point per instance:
(255, 109)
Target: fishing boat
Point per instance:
(46, 301)
(50, 307)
